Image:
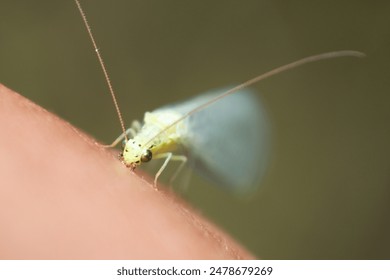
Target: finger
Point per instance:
(63, 196)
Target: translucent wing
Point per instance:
(227, 142)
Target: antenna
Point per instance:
(102, 65)
(261, 77)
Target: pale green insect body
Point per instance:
(227, 142)
(149, 143)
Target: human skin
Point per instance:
(64, 196)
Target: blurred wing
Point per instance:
(227, 142)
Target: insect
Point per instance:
(233, 128)
(222, 134)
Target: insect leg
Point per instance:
(183, 160)
(168, 157)
(130, 133)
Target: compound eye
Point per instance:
(147, 156)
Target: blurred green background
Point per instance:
(327, 191)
